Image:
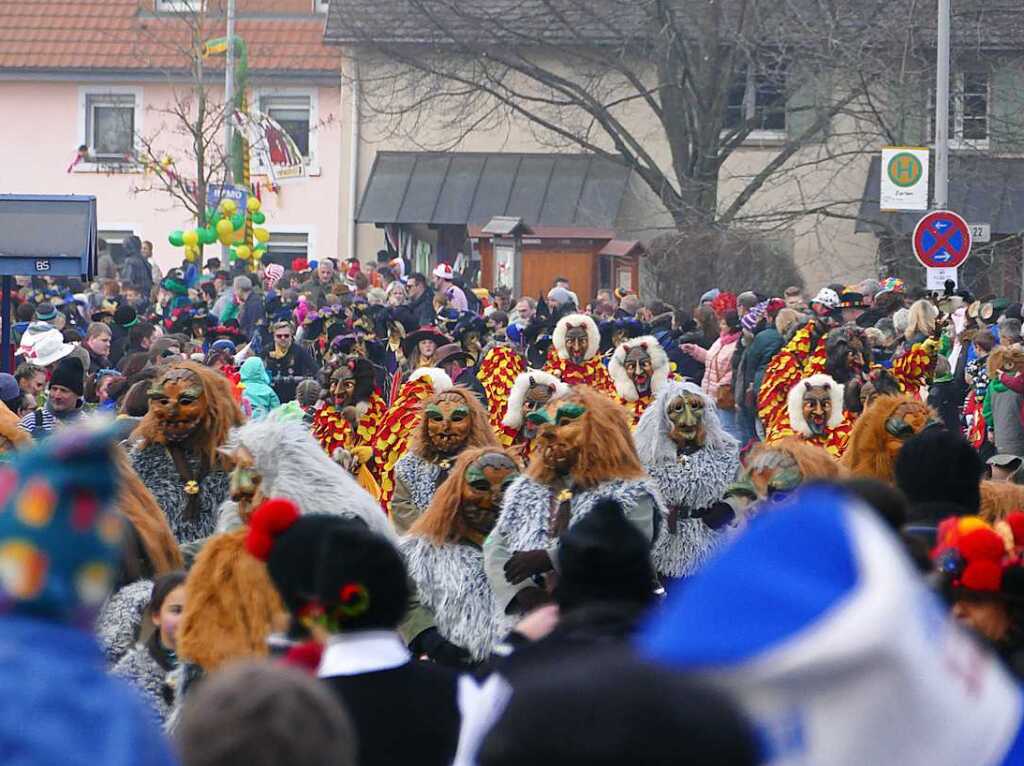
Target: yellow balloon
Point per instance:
(243, 252)
(190, 238)
(257, 254)
(225, 230)
(225, 239)
(228, 206)
(253, 204)
(261, 235)
(191, 254)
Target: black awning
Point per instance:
(981, 189)
(470, 189)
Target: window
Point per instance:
(968, 110)
(294, 114)
(758, 96)
(110, 125)
(179, 6)
(321, 6)
(286, 246)
(115, 235)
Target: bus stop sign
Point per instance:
(47, 236)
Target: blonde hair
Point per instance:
(785, 319)
(921, 319)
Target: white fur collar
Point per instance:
(438, 378)
(794, 403)
(517, 394)
(617, 370)
(575, 320)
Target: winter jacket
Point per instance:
(136, 271)
(766, 344)
(717, 363)
(250, 313)
(286, 371)
(1002, 411)
(146, 667)
(423, 308)
(256, 387)
(63, 707)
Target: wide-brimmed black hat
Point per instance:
(427, 332)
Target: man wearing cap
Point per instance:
(443, 276)
(1003, 467)
(63, 401)
(46, 312)
(125, 318)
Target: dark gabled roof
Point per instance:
(976, 23)
(981, 189)
(572, 190)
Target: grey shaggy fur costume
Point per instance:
(524, 512)
(294, 466)
(155, 467)
(145, 673)
(420, 478)
(117, 624)
(451, 583)
(690, 482)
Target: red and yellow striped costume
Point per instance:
(592, 373)
(497, 372)
(392, 439)
(332, 430)
(834, 440)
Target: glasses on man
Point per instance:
(282, 335)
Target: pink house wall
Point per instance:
(40, 133)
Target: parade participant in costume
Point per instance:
(451, 422)
(814, 413)
(531, 391)
(419, 347)
(879, 434)
(392, 439)
(231, 606)
(692, 460)
(499, 368)
(584, 451)
(453, 616)
(576, 360)
(787, 367)
(639, 368)
(191, 411)
(355, 410)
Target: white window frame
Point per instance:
(750, 110)
(313, 93)
(956, 111)
(84, 92)
(179, 6)
(321, 6)
(309, 231)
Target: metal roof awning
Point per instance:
(569, 190)
(981, 189)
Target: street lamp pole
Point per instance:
(942, 109)
(229, 89)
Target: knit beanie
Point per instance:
(604, 558)
(126, 316)
(937, 465)
(70, 374)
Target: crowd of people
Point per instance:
(343, 513)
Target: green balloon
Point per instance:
(238, 220)
(207, 236)
(176, 238)
(258, 217)
(212, 214)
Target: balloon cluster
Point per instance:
(226, 224)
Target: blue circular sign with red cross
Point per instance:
(942, 240)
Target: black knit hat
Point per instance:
(610, 709)
(937, 465)
(604, 557)
(125, 315)
(70, 374)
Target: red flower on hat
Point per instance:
(273, 517)
(724, 303)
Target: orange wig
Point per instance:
(480, 433)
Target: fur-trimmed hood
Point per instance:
(575, 320)
(616, 366)
(651, 437)
(794, 402)
(517, 394)
(438, 378)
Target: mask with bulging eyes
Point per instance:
(178, 402)
(686, 413)
(538, 395)
(449, 422)
(576, 342)
(343, 385)
(484, 486)
(817, 408)
(639, 367)
(560, 434)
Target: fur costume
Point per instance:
(497, 372)
(392, 437)
(117, 624)
(1000, 498)
(160, 552)
(871, 450)
(606, 465)
(690, 482)
(785, 370)
(421, 470)
(140, 669)
(154, 465)
(232, 604)
(624, 386)
(792, 423)
(592, 371)
(511, 433)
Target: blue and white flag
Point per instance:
(818, 625)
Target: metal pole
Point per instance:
(942, 109)
(229, 88)
(5, 336)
